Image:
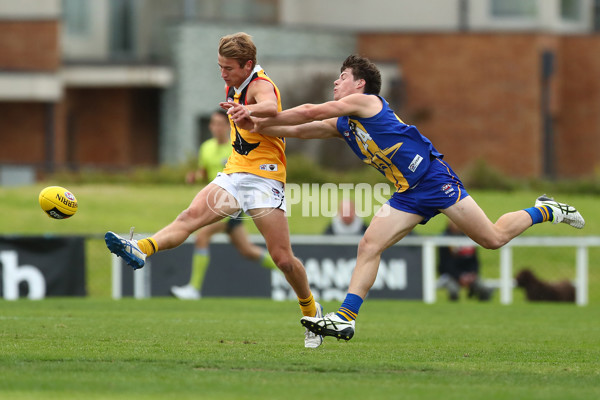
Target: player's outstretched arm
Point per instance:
(355, 104)
(312, 130)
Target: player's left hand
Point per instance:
(237, 112)
(246, 123)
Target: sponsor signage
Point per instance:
(37, 267)
(329, 263)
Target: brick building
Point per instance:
(115, 84)
(485, 96)
(60, 112)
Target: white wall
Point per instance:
(29, 9)
(548, 19)
(372, 15)
(425, 15)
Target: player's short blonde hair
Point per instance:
(238, 46)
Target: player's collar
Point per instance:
(248, 79)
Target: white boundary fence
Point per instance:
(429, 255)
(581, 245)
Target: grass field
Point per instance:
(253, 349)
(117, 207)
(97, 348)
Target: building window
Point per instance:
(76, 16)
(570, 10)
(514, 8)
(122, 28)
(596, 15)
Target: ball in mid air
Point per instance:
(58, 202)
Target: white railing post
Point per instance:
(506, 279)
(141, 281)
(117, 282)
(429, 272)
(581, 280)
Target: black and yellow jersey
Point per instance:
(252, 152)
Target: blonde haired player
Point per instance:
(253, 180)
(212, 157)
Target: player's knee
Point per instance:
(188, 215)
(188, 221)
(284, 260)
(369, 247)
(492, 243)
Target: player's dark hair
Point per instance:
(222, 113)
(363, 68)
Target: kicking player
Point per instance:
(253, 180)
(212, 157)
(425, 183)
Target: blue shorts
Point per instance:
(439, 188)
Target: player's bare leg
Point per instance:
(210, 205)
(471, 219)
(387, 227)
(239, 238)
(273, 225)
(200, 262)
(204, 234)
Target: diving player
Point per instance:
(425, 183)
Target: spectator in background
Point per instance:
(458, 266)
(346, 222)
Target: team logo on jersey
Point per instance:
(241, 146)
(448, 189)
(277, 193)
(268, 167)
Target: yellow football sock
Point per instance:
(267, 261)
(307, 306)
(199, 265)
(148, 246)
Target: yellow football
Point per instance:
(58, 202)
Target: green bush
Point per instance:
(301, 169)
(164, 174)
(479, 175)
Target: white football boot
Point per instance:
(187, 292)
(561, 212)
(330, 325)
(127, 249)
(313, 340)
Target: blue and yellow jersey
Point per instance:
(252, 152)
(395, 149)
(213, 156)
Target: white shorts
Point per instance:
(252, 191)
